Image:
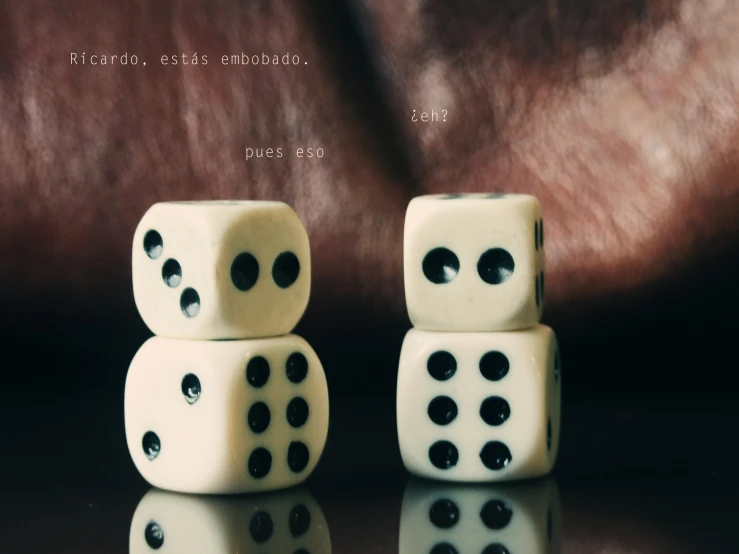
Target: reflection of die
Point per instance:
(474, 262)
(226, 416)
(479, 406)
(289, 521)
(461, 519)
(220, 270)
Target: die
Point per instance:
(474, 262)
(479, 406)
(499, 519)
(226, 416)
(289, 521)
(221, 270)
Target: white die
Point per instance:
(474, 262)
(226, 416)
(461, 519)
(289, 521)
(221, 270)
(479, 406)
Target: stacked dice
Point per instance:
(479, 379)
(223, 399)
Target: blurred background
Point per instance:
(621, 116)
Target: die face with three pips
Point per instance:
(224, 400)
(478, 394)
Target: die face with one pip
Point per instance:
(288, 521)
(226, 416)
(461, 519)
(476, 407)
(221, 270)
(474, 262)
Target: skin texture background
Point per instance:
(621, 116)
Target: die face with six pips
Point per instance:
(226, 416)
(479, 406)
(221, 270)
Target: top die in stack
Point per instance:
(474, 262)
(221, 270)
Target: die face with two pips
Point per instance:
(221, 270)
(493, 519)
(474, 262)
(479, 406)
(227, 416)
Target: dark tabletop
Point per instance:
(639, 471)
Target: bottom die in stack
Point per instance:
(479, 406)
(287, 521)
(509, 518)
(226, 417)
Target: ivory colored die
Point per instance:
(474, 262)
(288, 521)
(501, 519)
(227, 416)
(479, 406)
(221, 270)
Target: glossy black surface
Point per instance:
(628, 483)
